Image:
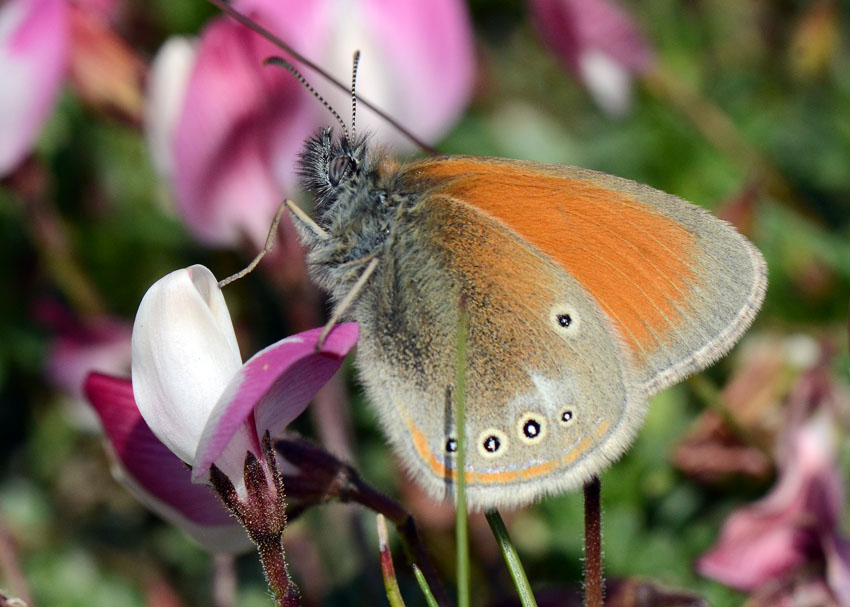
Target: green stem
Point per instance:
(426, 589)
(461, 524)
(523, 588)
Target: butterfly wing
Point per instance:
(679, 285)
(550, 399)
(578, 311)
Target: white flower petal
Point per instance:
(184, 353)
(166, 90)
(608, 81)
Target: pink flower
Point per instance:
(79, 346)
(417, 59)
(33, 57)
(157, 477)
(193, 400)
(226, 130)
(599, 43)
(232, 137)
(794, 524)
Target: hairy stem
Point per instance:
(593, 584)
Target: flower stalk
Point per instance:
(263, 514)
(593, 582)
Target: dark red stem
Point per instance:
(593, 584)
(274, 565)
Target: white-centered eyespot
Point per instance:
(451, 445)
(492, 443)
(566, 417)
(531, 427)
(564, 319)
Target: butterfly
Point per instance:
(585, 295)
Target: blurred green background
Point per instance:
(747, 114)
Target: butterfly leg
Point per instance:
(301, 216)
(266, 249)
(350, 297)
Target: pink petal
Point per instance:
(276, 385)
(837, 554)
(33, 57)
(753, 550)
(106, 10)
(599, 42)
(302, 25)
(237, 137)
(571, 27)
(154, 474)
(418, 63)
(79, 346)
(772, 537)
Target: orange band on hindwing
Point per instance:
(507, 476)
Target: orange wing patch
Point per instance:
(633, 260)
(504, 477)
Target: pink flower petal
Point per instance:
(236, 140)
(571, 27)
(79, 346)
(770, 538)
(837, 553)
(418, 63)
(753, 549)
(302, 25)
(107, 10)
(417, 58)
(155, 475)
(599, 42)
(33, 58)
(276, 385)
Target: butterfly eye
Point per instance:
(564, 319)
(566, 417)
(531, 428)
(492, 443)
(338, 167)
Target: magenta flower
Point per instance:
(157, 477)
(796, 523)
(599, 43)
(194, 402)
(226, 130)
(33, 57)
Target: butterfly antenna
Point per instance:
(224, 7)
(354, 94)
(281, 62)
